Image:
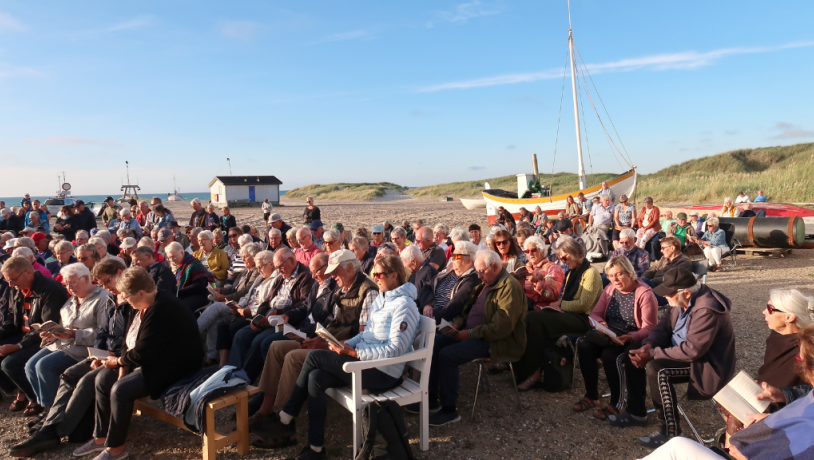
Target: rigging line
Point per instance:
(585, 128)
(604, 107)
(559, 115)
(607, 134)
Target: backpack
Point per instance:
(384, 433)
(558, 369)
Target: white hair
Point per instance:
(489, 257)
(729, 199)
(174, 247)
(244, 239)
(330, 236)
(264, 258)
(471, 248)
(207, 235)
(124, 211)
(536, 241)
(458, 234)
(789, 301)
(194, 201)
(272, 231)
(74, 270)
(96, 240)
(83, 232)
(628, 233)
(713, 221)
(103, 234)
(23, 252)
(396, 231)
(63, 245)
(443, 227)
(147, 241)
(251, 249)
(355, 265)
(413, 252)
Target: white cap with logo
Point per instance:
(338, 257)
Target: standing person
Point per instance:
(67, 224)
(608, 192)
(624, 216)
(85, 219)
(26, 199)
(266, 210)
(227, 220)
(199, 217)
(311, 212)
(213, 217)
(110, 212)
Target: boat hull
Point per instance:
(623, 184)
(473, 204)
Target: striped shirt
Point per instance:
(443, 291)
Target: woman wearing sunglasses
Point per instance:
(510, 254)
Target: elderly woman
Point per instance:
(88, 255)
(569, 315)
(543, 279)
(452, 287)
(291, 238)
(125, 221)
(191, 277)
(162, 346)
(624, 216)
(399, 237)
(510, 254)
(628, 308)
(227, 300)
(63, 251)
(220, 239)
(311, 212)
(214, 259)
(80, 317)
(729, 209)
(649, 225)
(785, 434)
(82, 237)
(194, 244)
(390, 332)
(332, 240)
(714, 243)
(455, 235)
(439, 234)
(65, 224)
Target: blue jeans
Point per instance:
(43, 371)
(243, 342)
(14, 367)
(447, 355)
(659, 299)
(253, 364)
(6, 384)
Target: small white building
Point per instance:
(244, 189)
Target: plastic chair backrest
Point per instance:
(729, 232)
(424, 340)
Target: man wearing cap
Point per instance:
(681, 229)
(316, 232)
(697, 224)
(126, 248)
(111, 211)
(307, 249)
(276, 221)
(694, 342)
(474, 236)
(378, 236)
(84, 217)
(180, 237)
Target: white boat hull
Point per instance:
(624, 184)
(473, 204)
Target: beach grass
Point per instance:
(345, 191)
(559, 182)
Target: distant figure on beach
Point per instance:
(742, 198)
(747, 211)
(729, 210)
(311, 212)
(761, 198)
(266, 210)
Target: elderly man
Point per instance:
(760, 197)
(316, 232)
(143, 212)
(161, 274)
(307, 249)
(607, 191)
(422, 273)
(637, 256)
(425, 240)
(491, 325)
(35, 300)
(667, 219)
(747, 210)
(452, 287)
(276, 221)
(28, 254)
(378, 236)
(82, 237)
(84, 218)
(110, 212)
(359, 246)
(682, 229)
(694, 342)
(199, 217)
(601, 215)
(99, 242)
(350, 302)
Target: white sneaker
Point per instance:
(106, 455)
(88, 448)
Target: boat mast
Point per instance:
(581, 169)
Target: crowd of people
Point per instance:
(164, 300)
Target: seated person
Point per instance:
(785, 434)
(544, 279)
(747, 210)
(28, 254)
(76, 394)
(760, 197)
(191, 277)
(491, 325)
(452, 287)
(667, 219)
(681, 229)
(213, 258)
(387, 249)
(219, 311)
(290, 290)
(163, 278)
(359, 245)
(628, 308)
(697, 224)
(637, 256)
(714, 244)
(422, 272)
(649, 225)
(624, 216)
(63, 251)
(35, 299)
(569, 315)
(672, 257)
(161, 346)
(81, 316)
(393, 325)
(694, 342)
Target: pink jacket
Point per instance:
(42, 270)
(645, 310)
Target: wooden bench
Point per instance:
(212, 440)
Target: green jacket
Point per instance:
(505, 312)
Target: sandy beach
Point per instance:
(544, 426)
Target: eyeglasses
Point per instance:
(459, 256)
(530, 251)
(772, 309)
(377, 275)
(501, 242)
(320, 268)
(232, 235)
(482, 272)
(15, 279)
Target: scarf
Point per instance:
(190, 271)
(573, 280)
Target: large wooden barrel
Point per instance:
(768, 232)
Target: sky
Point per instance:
(415, 93)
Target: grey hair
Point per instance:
(359, 242)
(207, 235)
(147, 241)
(251, 249)
(83, 232)
(489, 257)
(398, 231)
(123, 233)
(570, 247)
(174, 247)
(443, 227)
(292, 232)
(23, 252)
(537, 242)
(622, 263)
(244, 239)
(75, 270)
(264, 258)
(458, 234)
(142, 202)
(628, 233)
(63, 245)
(331, 236)
(413, 252)
(194, 201)
(104, 235)
(471, 248)
(355, 265)
(124, 211)
(790, 301)
(729, 199)
(97, 239)
(714, 221)
(272, 231)
(388, 248)
(195, 232)
(25, 241)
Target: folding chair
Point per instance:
(481, 362)
(709, 442)
(732, 242)
(699, 269)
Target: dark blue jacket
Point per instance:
(111, 336)
(320, 307)
(163, 277)
(423, 282)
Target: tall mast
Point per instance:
(581, 169)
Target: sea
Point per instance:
(203, 196)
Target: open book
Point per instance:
(293, 334)
(739, 397)
(48, 326)
(328, 337)
(446, 328)
(98, 354)
(275, 320)
(599, 327)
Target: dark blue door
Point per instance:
(251, 193)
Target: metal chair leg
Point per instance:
(477, 387)
(514, 384)
(702, 441)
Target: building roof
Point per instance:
(246, 180)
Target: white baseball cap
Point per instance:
(128, 243)
(338, 257)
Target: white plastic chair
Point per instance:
(408, 392)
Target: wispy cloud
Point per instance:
(70, 140)
(790, 131)
(511, 147)
(132, 24)
(732, 132)
(352, 35)
(463, 12)
(9, 23)
(243, 30)
(659, 62)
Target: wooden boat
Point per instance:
(473, 204)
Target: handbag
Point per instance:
(558, 369)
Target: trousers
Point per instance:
(245, 340)
(6, 384)
(321, 370)
(208, 322)
(14, 367)
(43, 371)
(114, 405)
(76, 395)
(662, 375)
(447, 356)
(617, 367)
(283, 365)
(543, 328)
(713, 255)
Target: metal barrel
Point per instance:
(768, 232)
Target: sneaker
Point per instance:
(653, 440)
(88, 448)
(415, 408)
(307, 453)
(272, 427)
(626, 419)
(106, 455)
(442, 418)
(40, 442)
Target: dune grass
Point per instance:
(345, 191)
(560, 183)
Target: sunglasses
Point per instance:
(459, 256)
(501, 242)
(772, 310)
(377, 275)
(530, 251)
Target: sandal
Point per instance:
(275, 443)
(584, 404)
(33, 409)
(17, 405)
(603, 413)
(530, 382)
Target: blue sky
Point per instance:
(416, 92)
